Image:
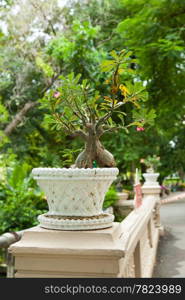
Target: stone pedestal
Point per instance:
(151, 189)
(151, 186)
(52, 253)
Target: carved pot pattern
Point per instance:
(75, 192)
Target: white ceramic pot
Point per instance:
(77, 193)
(150, 179)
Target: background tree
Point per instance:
(50, 39)
(160, 48)
(42, 40)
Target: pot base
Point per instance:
(59, 222)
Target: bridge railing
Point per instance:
(137, 242)
(141, 229)
(6, 240)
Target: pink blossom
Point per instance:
(56, 94)
(140, 129)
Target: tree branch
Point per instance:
(57, 117)
(19, 117)
(106, 40)
(53, 79)
(83, 117)
(177, 13)
(111, 129)
(28, 106)
(103, 119)
(88, 107)
(80, 133)
(108, 114)
(38, 7)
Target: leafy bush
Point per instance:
(21, 201)
(110, 198)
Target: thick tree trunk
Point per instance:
(94, 151)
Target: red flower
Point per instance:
(140, 129)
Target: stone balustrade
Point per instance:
(127, 249)
(141, 231)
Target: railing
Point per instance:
(139, 240)
(6, 240)
(141, 229)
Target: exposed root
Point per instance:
(84, 160)
(97, 153)
(105, 159)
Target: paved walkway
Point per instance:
(171, 251)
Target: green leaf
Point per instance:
(114, 54)
(144, 116)
(127, 54)
(46, 68)
(121, 117)
(108, 65)
(3, 113)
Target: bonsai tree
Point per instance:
(152, 163)
(81, 111)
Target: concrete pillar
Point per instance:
(151, 189)
(53, 253)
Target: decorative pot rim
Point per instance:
(46, 221)
(150, 174)
(74, 172)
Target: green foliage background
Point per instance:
(76, 39)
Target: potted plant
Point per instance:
(75, 195)
(152, 163)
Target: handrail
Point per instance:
(8, 238)
(139, 239)
(134, 223)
